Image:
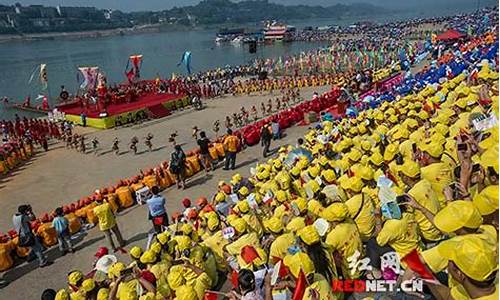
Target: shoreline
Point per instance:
(79, 34)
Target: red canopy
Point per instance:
(450, 34)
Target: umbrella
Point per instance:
(296, 154)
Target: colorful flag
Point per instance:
(300, 286)
(186, 60)
(43, 76)
(249, 254)
(413, 261)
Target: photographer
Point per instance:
(21, 221)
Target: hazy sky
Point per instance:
(134, 5)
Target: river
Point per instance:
(162, 51)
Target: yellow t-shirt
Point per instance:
(345, 238)
(459, 293)
(401, 234)
(253, 223)
(78, 295)
(247, 239)
(201, 284)
(105, 216)
(424, 194)
(216, 242)
(159, 269)
(298, 189)
(438, 263)
(365, 219)
(129, 290)
(319, 287)
(440, 175)
(231, 143)
(279, 247)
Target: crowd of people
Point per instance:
(19, 138)
(405, 190)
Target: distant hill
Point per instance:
(225, 11)
(18, 19)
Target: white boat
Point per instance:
(237, 40)
(275, 32)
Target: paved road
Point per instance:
(61, 176)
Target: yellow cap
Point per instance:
(423, 115)
(281, 196)
(175, 279)
(62, 294)
(213, 222)
(88, 285)
(487, 200)
(148, 257)
(313, 185)
(309, 235)
(242, 207)
(295, 171)
(314, 171)
(297, 262)
(376, 158)
(365, 173)
(243, 191)
(458, 214)
(185, 292)
(103, 294)
(74, 277)
(135, 252)
(328, 175)
(393, 119)
(474, 256)
(239, 225)
(314, 207)
(296, 224)
(183, 242)
(115, 269)
(390, 151)
(434, 149)
(323, 160)
(352, 183)
(274, 225)
(220, 197)
(155, 247)
(264, 175)
(300, 203)
(186, 229)
(336, 212)
(410, 168)
(366, 145)
(163, 237)
(354, 154)
(236, 179)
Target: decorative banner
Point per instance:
(90, 75)
(43, 76)
(136, 62)
(134, 72)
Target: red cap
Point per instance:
(150, 277)
(201, 201)
(186, 202)
(101, 252)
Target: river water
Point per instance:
(162, 51)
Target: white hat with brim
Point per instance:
(105, 262)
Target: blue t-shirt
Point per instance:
(156, 205)
(60, 224)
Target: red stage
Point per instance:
(117, 109)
